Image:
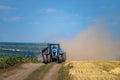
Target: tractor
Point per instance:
(53, 53)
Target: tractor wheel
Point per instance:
(44, 58)
(64, 57)
(48, 58)
(59, 58)
(51, 60)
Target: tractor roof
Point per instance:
(53, 44)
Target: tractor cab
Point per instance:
(54, 48)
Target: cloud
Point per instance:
(12, 19)
(3, 7)
(47, 10)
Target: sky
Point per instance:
(52, 20)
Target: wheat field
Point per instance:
(93, 70)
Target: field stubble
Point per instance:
(94, 70)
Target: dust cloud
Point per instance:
(95, 43)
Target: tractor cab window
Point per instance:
(54, 46)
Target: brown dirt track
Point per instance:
(22, 73)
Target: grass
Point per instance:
(40, 72)
(8, 63)
(63, 72)
(7, 72)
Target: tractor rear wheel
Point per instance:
(64, 57)
(59, 58)
(44, 58)
(48, 58)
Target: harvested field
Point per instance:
(93, 70)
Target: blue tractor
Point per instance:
(52, 53)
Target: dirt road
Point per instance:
(25, 71)
(22, 73)
(52, 73)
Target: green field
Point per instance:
(10, 61)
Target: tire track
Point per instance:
(52, 73)
(26, 70)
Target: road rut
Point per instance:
(26, 70)
(51, 74)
